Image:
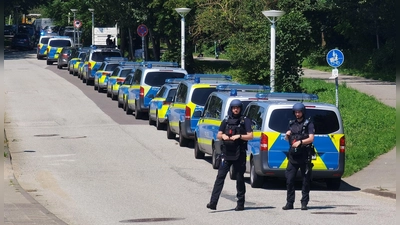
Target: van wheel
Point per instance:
(159, 125)
(232, 173)
(215, 158)
(198, 154)
(151, 122)
(128, 111)
(170, 134)
(49, 63)
(183, 142)
(138, 114)
(333, 183)
(256, 181)
(113, 97)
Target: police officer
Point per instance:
(235, 131)
(109, 42)
(300, 136)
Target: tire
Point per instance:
(70, 71)
(256, 181)
(151, 122)
(96, 88)
(232, 173)
(138, 114)
(113, 97)
(333, 183)
(215, 158)
(198, 154)
(170, 134)
(183, 142)
(128, 111)
(159, 126)
(108, 94)
(49, 63)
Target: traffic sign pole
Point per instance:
(142, 32)
(335, 58)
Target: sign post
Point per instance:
(142, 32)
(77, 25)
(335, 58)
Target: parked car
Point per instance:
(9, 31)
(54, 47)
(64, 56)
(22, 41)
(42, 45)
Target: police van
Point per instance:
(55, 46)
(41, 51)
(94, 57)
(267, 152)
(215, 110)
(118, 76)
(147, 80)
(188, 103)
(104, 71)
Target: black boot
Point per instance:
(239, 208)
(212, 206)
(304, 206)
(288, 206)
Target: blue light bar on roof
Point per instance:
(129, 63)
(243, 87)
(151, 64)
(115, 59)
(288, 96)
(174, 80)
(208, 76)
(60, 37)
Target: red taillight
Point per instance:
(187, 113)
(89, 67)
(342, 147)
(120, 79)
(105, 73)
(264, 142)
(65, 55)
(141, 92)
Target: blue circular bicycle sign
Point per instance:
(335, 58)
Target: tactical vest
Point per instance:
(299, 131)
(231, 149)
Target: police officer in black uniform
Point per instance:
(234, 132)
(300, 136)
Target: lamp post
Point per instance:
(272, 16)
(182, 12)
(74, 11)
(92, 11)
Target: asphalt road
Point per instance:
(86, 161)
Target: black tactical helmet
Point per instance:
(299, 107)
(236, 102)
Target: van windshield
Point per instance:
(44, 40)
(157, 79)
(60, 43)
(100, 56)
(325, 121)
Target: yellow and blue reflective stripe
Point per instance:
(42, 49)
(53, 52)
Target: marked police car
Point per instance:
(147, 80)
(123, 90)
(215, 110)
(54, 47)
(267, 152)
(118, 76)
(188, 103)
(159, 105)
(104, 71)
(73, 63)
(94, 57)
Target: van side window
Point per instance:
(160, 92)
(256, 115)
(128, 79)
(181, 93)
(213, 108)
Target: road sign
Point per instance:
(335, 58)
(142, 30)
(77, 23)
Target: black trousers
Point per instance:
(290, 173)
(239, 167)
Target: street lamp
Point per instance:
(272, 16)
(92, 11)
(74, 11)
(182, 12)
